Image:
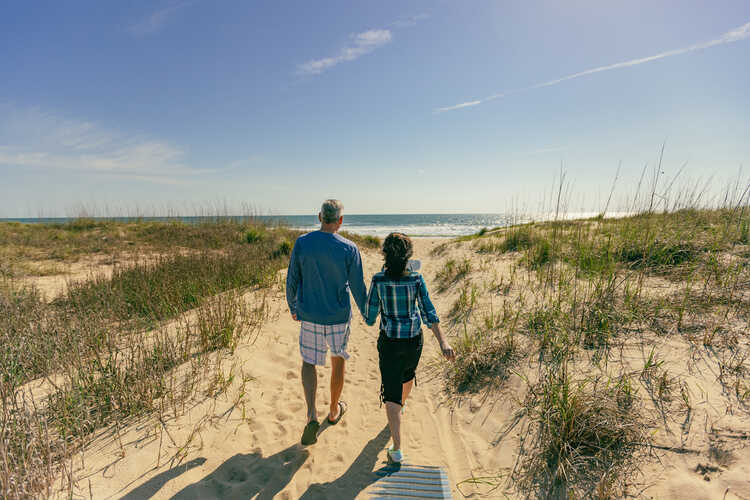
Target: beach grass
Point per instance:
(364, 241)
(135, 343)
(577, 291)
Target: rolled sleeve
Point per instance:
(372, 306)
(426, 309)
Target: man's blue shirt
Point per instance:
(323, 268)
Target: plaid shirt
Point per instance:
(397, 301)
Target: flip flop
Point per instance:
(342, 409)
(310, 434)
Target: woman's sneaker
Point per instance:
(395, 456)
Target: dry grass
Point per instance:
(118, 348)
(452, 272)
(583, 436)
(364, 241)
(586, 289)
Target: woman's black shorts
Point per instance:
(398, 362)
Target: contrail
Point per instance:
(734, 35)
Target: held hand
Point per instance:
(448, 352)
(294, 317)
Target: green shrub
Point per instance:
(539, 254)
(656, 255)
(83, 224)
(282, 250)
(518, 239)
(253, 235)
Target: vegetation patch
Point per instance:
(589, 285)
(364, 241)
(452, 272)
(515, 239)
(483, 359)
(584, 436)
(105, 348)
(464, 304)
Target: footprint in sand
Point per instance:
(281, 430)
(291, 374)
(295, 407)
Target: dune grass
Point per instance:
(134, 344)
(452, 272)
(86, 238)
(363, 241)
(584, 436)
(579, 289)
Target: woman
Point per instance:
(401, 297)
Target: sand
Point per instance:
(246, 444)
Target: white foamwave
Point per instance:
(433, 230)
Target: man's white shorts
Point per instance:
(315, 339)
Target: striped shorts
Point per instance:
(315, 339)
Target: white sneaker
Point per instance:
(395, 456)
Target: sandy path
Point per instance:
(260, 455)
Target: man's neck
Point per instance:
(329, 228)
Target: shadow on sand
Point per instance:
(246, 475)
(357, 477)
(153, 485)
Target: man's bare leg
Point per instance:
(310, 385)
(406, 390)
(337, 385)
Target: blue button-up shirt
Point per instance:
(323, 269)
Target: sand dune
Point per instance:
(246, 445)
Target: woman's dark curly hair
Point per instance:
(397, 249)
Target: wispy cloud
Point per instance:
(33, 139)
(361, 44)
(735, 35)
(156, 20)
(467, 104)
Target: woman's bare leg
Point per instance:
(393, 410)
(406, 390)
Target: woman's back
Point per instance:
(403, 303)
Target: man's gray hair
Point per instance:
(331, 210)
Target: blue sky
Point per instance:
(401, 106)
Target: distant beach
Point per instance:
(419, 225)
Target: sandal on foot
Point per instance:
(310, 434)
(395, 457)
(342, 410)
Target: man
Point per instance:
(323, 269)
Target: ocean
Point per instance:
(445, 225)
(434, 225)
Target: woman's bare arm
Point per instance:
(445, 347)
